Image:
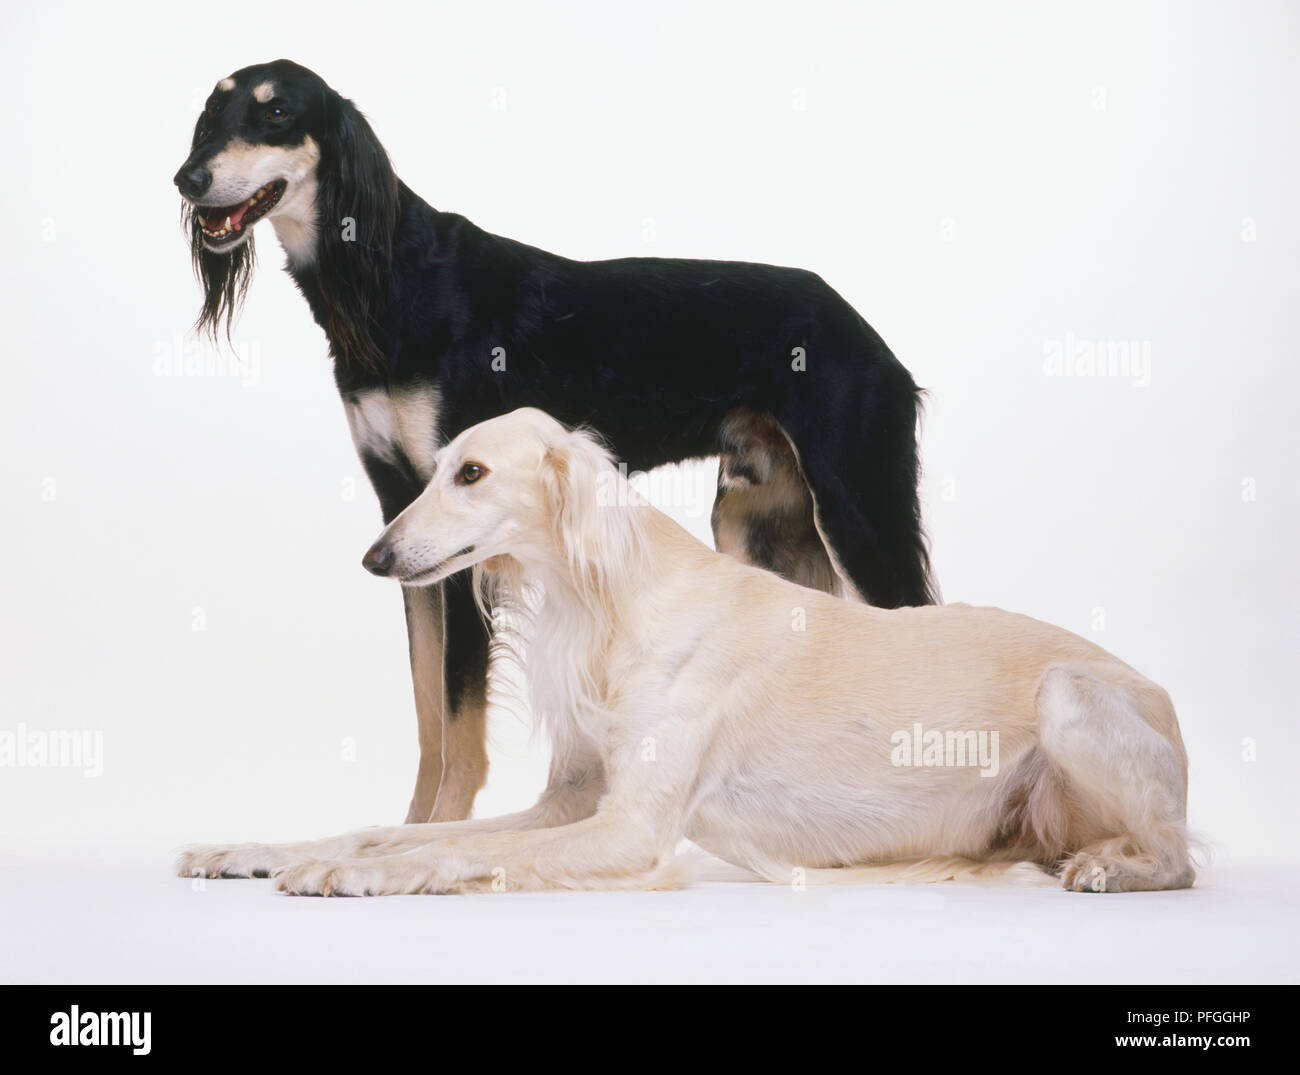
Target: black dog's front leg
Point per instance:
(448, 645)
(424, 633)
(464, 761)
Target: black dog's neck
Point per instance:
(408, 289)
(352, 284)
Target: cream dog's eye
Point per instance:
(470, 473)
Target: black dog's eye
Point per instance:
(276, 115)
(470, 473)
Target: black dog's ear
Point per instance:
(224, 277)
(356, 217)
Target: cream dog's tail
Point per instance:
(917, 872)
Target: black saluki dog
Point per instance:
(435, 325)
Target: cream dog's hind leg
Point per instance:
(1127, 780)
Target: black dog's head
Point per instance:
(276, 142)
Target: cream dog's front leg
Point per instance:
(628, 843)
(571, 794)
(613, 849)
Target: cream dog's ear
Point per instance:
(570, 499)
(593, 526)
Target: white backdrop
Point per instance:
(995, 187)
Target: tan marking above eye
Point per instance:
(263, 92)
(226, 85)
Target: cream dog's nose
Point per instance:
(379, 558)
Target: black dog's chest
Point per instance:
(396, 428)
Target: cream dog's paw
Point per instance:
(1088, 873)
(393, 875)
(231, 860)
(331, 878)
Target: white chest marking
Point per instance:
(385, 422)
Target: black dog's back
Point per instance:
(662, 347)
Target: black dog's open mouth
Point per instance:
(223, 223)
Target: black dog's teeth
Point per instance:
(224, 230)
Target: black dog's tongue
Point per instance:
(235, 214)
(217, 217)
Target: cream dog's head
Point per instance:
(520, 486)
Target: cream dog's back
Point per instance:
(812, 695)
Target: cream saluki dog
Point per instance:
(689, 695)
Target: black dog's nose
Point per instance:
(378, 559)
(192, 182)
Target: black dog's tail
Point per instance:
(858, 451)
(921, 588)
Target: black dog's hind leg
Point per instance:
(857, 449)
(763, 513)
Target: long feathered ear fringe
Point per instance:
(357, 205)
(578, 604)
(224, 277)
(507, 604)
(597, 526)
